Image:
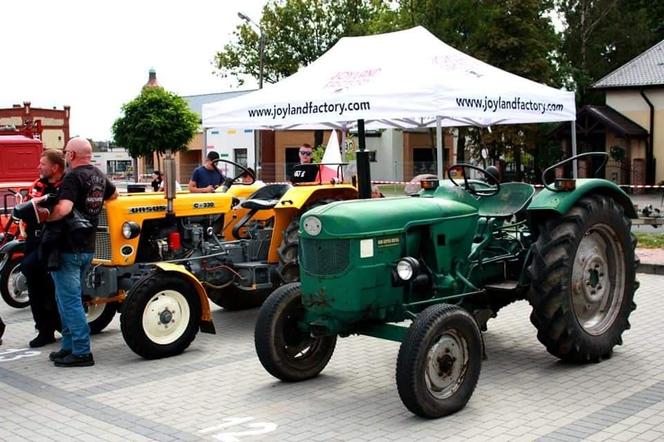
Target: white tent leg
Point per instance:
(439, 147)
(575, 171)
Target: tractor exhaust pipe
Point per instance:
(169, 177)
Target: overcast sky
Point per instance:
(95, 55)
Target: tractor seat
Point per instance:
(512, 198)
(266, 197)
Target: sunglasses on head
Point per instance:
(306, 153)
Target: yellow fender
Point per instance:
(206, 324)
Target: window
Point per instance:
(240, 157)
(424, 160)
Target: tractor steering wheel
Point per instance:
(492, 186)
(230, 181)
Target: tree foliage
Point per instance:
(155, 121)
(602, 35)
(296, 32)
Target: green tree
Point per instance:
(296, 32)
(155, 121)
(602, 35)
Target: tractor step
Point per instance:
(503, 286)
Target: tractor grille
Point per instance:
(325, 257)
(103, 238)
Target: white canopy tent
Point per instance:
(406, 79)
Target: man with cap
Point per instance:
(206, 178)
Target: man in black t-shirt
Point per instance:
(84, 190)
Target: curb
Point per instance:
(652, 269)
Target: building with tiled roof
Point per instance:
(635, 93)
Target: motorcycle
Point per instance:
(13, 287)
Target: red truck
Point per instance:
(20, 150)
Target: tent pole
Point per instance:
(574, 165)
(363, 170)
(439, 147)
(342, 146)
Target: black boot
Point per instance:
(42, 339)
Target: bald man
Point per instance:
(84, 189)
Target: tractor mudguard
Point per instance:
(206, 324)
(562, 202)
(297, 197)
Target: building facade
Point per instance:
(54, 122)
(636, 91)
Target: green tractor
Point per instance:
(448, 261)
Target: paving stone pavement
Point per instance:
(217, 389)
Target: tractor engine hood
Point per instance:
(359, 218)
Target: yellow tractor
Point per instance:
(160, 256)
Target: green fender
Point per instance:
(562, 202)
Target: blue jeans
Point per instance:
(67, 279)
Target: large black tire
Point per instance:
(100, 315)
(13, 287)
(160, 315)
(285, 351)
(439, 361)
(583, 278)
(230, 298)
(289, 266)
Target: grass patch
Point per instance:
(650, 240)
(392, 189)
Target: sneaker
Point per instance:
(41, 340)
(58, 354)
(72, 360)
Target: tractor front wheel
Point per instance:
(13, 286)
(439, 361)
(583, 280)
(160, 316)
(286, 351)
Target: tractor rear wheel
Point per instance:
(289, 267)
(160, 316)
(439, 361)
(13, 286)
(286, 351)
(583, 278)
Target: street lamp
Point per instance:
(261, 46)
(261, 50)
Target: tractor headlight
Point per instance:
(130, 229)
(312, 225)
(407, 268)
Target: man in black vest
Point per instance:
(84, 190)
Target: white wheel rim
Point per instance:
(17, 285)
(94, 311)
(166, 317)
